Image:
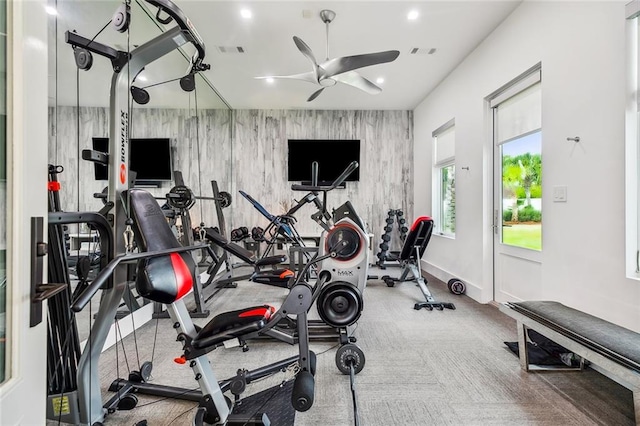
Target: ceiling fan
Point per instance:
(338, 70)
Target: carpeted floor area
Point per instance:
(422, 367)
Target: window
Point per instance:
(517, 115)
(632, 141)
(444, 179)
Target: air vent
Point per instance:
(423, 51)
(231, 49)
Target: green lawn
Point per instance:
(526, 236)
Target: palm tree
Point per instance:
(511, 180)
(530, 172)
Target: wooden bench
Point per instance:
(612, 350)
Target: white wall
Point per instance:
(581, 46)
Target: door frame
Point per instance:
(27, 69)
(489, 187)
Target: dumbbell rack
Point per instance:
(392, 235)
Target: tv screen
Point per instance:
(149, 158)
(333, 156)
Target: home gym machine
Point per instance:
(126, 66)
(412, 250)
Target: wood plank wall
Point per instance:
(247, 150)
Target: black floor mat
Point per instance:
(275, 401)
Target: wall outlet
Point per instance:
(560, 194)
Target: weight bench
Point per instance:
(274, 277)
(612, 350)
(412, 250)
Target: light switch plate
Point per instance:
(560, 194)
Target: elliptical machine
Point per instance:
(342, 278)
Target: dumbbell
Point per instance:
(257, 233)
(386, 238)
(384, 246)
(389, 221)
(399, 213)
(240, 233)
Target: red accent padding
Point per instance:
(54, 186)
(418, 220)
(184, 279)
(260, 312)
(287, 274)
(181, 360)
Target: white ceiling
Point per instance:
(454, 28)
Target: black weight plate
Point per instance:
(225, 199)
(181, 197)
(348, 355)
(457, 287)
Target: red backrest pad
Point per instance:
(419, 235)
(162, 279)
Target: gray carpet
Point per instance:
(440, 367)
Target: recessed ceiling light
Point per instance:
(246, 13)
(270, 80)
(51, 10)
(413, 15)
(141, 78)
(380, 80)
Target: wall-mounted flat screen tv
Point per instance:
(333, 156)
(149, 158)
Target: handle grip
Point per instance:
(322, 188)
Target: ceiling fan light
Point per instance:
(246, 13)
(413, 15)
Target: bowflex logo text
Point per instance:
(124, 138)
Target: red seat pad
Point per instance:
(227, 322)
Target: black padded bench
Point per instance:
(612, 350)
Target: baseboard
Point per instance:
(473, 291)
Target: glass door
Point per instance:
(517, 122)
(3, 191)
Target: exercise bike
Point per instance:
(165, 274)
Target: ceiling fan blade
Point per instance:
(352, 78)
(306, 51)
(315, 94)
(349, 63)
(307, 76)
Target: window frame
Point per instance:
(437, 181)
(632, 142)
